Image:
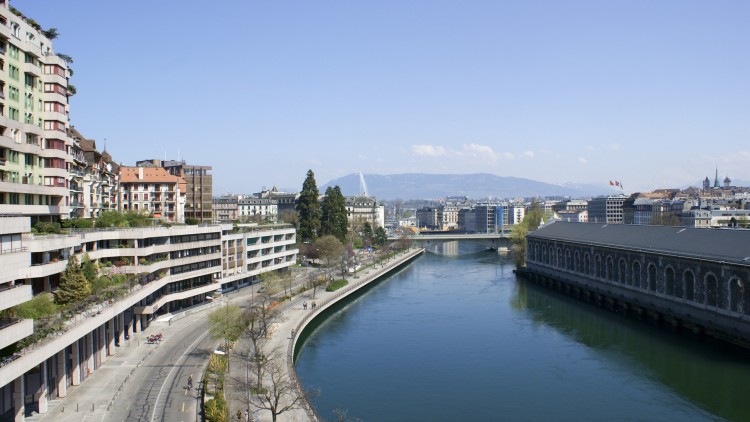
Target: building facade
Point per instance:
(688, 276)
(154, 191)
(361, 209)
(35, 150)
(168, 270)
(198, 186)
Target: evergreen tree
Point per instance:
(90, 269)
(73, 284)
(381, 236)
(308, 209)
(334, 221)
(367, 234)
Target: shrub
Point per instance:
(44, 227)
(190, 221)
(335, 285)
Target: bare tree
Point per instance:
(280, 394)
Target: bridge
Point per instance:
(495, 241)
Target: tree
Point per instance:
(51, 33)
(368, 236)
(73, 284)
(334, 219)
(331, 249)
(111, 219)
(90, 269)
(381, 236)
(281, 394)
(308, 209)
(226, 323)
(531, 221)
(290, 217)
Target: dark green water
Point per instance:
(461, 339)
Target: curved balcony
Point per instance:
(33, 69)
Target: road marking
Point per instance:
(161, 390)
(183, 407)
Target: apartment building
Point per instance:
(94, 178)
(360, 209)
(34, 144)
(198, 186)
(170, 269)
(152, 190)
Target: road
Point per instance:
(157, 391)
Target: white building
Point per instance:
(365, 208)
(171, 269)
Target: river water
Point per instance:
(460, 338)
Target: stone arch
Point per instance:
(577, 261)
(737, 295)
(635, 276)
(610, 268)
(536, 251)
(560, 261)
(712, 290)
(544, 255)
(622, 271)
(599, 268)
(669, 281)
(651, 277)
(568, 259)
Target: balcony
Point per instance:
(12, 331)
(15, 295)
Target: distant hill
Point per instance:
(475, 186)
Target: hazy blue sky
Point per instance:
(651, 93)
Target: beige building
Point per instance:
(154, 191)
(34, 144)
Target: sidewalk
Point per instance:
(293, 317)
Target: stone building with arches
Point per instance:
(696, 278)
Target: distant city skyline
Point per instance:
(653, 95)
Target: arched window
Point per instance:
(577, 262)
(536, 251)
(689, 279)
(587, 263)
(712, 290)
(669, 280)
(622, 271)
(598, 266)
(736, 295)
(544, 255)
(560, 261)
(636, 276)
(722, 300)
(652, 277)
(610, 268)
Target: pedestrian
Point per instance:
(292, 336)
(247, 416)
(190, 382)
(304, 305)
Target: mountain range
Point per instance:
(475, 186)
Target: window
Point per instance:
(13, 113)
(54, 125)
(53, 69)
(13, 93)
(54, 106)
(28, 101)
(13, 72)
(12, 49)
(13, 157)
(55, 88)
(29, 80)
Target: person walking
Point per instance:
(190, 382)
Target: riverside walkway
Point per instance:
(281, 340)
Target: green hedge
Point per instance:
(335, 285)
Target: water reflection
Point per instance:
(711, 374)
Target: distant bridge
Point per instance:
(495, 241)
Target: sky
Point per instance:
(653, 94)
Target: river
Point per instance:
(460, 338)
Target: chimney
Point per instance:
(140, 173)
